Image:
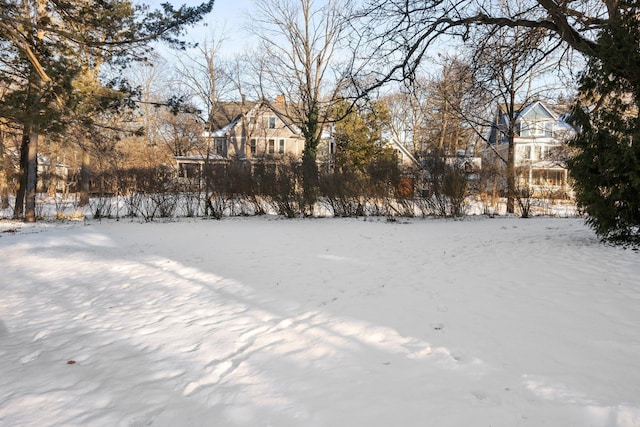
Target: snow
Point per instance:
(317, 322)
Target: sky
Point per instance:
(226, 21)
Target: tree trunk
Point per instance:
(85, 177)
(4, 173)
(310, 175)
(309, 166)
(511, 176)
(206, 175)
(32, 176)
(18, 209)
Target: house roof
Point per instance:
(405, 151)
(280, 109)
(533, 110)
(549, 165)
(227, 113)
(537, 110)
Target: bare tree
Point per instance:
(202, 76)
(301, 40)
(408, 112)
(180, 133)
(402, 33)
(152, 83)
(450, 106)
(508, 66)
(505, 71)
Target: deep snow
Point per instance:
(317, 322)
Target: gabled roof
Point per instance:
(405, 151)
(549, 164)
(225, 115)
(532, 111)
(279, 109)
(537, 110)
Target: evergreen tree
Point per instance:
(358, 136)
(367, 165)
(53, 52)
(606, 168)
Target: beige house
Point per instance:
(244, 131)
(259, 130)
(540, 139)
(262, 131)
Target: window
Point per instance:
(272, 122)
(281, 146)
(542, 129)
(536, 129)
(547, 177)
(539, 153)
(252, 120)
(188, 170)
(272, 146)
(219, 146)
(253, 146)
(527, 152)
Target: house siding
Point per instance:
(540, 133)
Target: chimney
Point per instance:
(280, 99)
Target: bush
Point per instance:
(448, 187)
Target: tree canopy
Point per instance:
(412, 27)
(606, 169)
(52, 64)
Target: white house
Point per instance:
(406, 159)
(52, 176)
(540, 137)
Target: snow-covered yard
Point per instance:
(317, 322)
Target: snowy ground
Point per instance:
(318, 322)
